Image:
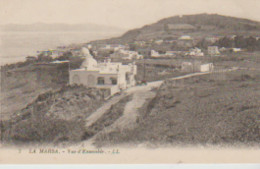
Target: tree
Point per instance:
(203, 44)
(225, 42)
(240, 42)
(65, 56)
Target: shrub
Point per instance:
(47, 130)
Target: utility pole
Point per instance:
(144, 69)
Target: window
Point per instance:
(113, 80)
(101, 80)
(127, 77)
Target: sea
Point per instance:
(16, 46)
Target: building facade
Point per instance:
(110, 76)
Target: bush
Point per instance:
(47, 130)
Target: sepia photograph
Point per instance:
(129, 81)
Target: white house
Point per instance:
(158, 42)
(195, 52)
(185, 37)
(109, 76)
(196, 67)
(170, 53)
(185, 41)
(155, 54)
(207, 67)
(236, 49)
(213, 50)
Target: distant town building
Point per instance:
(207, 67)
(213, 50)
(158, 42)
(196, 67)
(109, 47)
(185, 37)
(108, 76)
(232, 37)
(140, 43)
(185, 41)
(146, 52)
(180, 27)
(155, 54)
(212, 39)
(223, 49)
(195, 52)
(126, 54)
(236, 49)
(171, 53)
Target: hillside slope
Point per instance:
(196, 25)
(53, 117)
(215, 109)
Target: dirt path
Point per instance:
(140, 94)
(131, 109)
(103, 109)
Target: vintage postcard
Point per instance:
(129, 81)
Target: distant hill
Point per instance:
(59, 27)
(199, 25)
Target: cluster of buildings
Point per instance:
(112, 77)
(116, 51)
(193, 52)
(126, 55)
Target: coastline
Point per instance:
(16, 46)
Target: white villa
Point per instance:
(111, 76)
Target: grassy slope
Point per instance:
(22, 83)
(114, 113)
(213, 109)
(53, 116)
(205, 25)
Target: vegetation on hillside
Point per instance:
(211, 109)
(107, 119)
(29, 79)
(249, 43)
(204, 25)
(53, 117)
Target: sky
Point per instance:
(124, 14)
